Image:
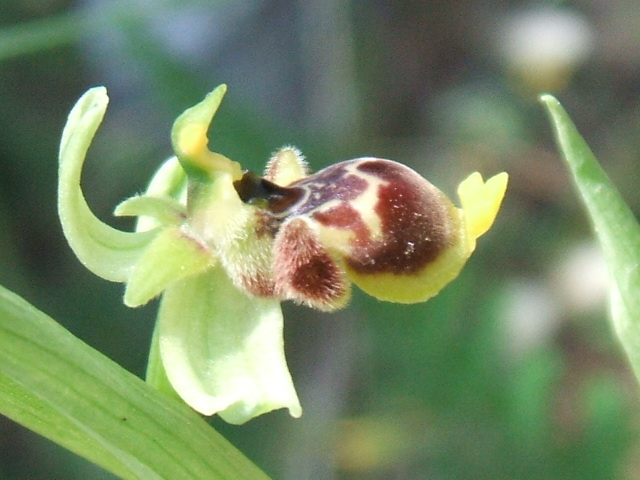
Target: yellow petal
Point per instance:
(480, 203)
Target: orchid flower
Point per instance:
(223, 247)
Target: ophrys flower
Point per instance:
(224, 247)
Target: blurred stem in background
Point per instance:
(39, 35)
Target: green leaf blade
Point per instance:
(61, 388)
(21, 405)
(615, 226)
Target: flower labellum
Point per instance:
(224, 247)
(369, 221)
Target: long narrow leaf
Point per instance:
(615, 226)
(56, 385)
(21, 405)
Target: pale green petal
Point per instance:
(223, 351)
(171, 256)
(107, 252)
(170, 180)
(164, 210)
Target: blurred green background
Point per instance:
(512, 372)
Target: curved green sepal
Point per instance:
(189, 138)
(171, 256)
(164, 210)
(223, 351)
(107, 252)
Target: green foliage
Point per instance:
(61, 388)
(615, 226)
(437, 377)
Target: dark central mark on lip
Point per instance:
(255, 190)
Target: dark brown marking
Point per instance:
(344, 217)
(304, 270)
(415, 218)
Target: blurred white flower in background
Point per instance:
(532, 315)
(534, 309)
(581, 280)
(542, 48)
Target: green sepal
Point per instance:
(615, 226)
(222, 350)
(156, 376)
(171, 256)
(107, 252)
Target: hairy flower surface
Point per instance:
(224, 247)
